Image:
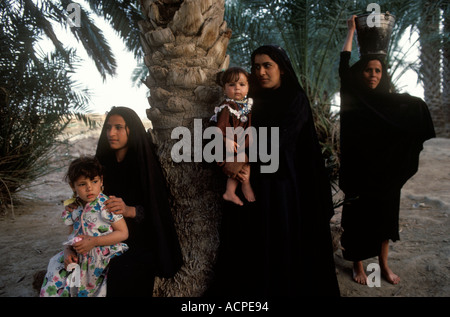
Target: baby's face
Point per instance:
(237, 90)
(88, 189)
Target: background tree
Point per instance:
(446, 66)
(37, 99)
(185, 45)
(48, 13)
(37, 95)
(430, 59)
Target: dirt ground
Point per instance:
(421, 258)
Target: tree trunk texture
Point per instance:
(185, 45)
(430, 57)
(446, 71)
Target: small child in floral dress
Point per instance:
(95, 238)
(235, 112)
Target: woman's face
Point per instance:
(267, 72)
(372, 73)
(117, 132)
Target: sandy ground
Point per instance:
(421, 258)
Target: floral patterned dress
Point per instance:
(93, 220)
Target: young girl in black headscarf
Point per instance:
(280, 245)
(134, 181)
(382, 134)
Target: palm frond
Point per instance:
(139, 74)
(123, 17)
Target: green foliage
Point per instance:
(88, 34)
(37, 99)
(123, 17)
(313, 32)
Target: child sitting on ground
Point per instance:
(96, 236)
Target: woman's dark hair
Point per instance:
(87, 166)
(231, 75)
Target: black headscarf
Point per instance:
(382, 133)
(288, 108)
(279, 56)
(139, 181)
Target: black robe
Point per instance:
(138, 180)
(381, 137)
(280, 245)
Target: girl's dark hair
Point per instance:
(231, 75)
(87, 166)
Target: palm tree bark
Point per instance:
(185, 46)
(430, 53)
(446, 69)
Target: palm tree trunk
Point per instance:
(446, 70)
(185, 46)
(430, 53)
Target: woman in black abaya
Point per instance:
(280, 245)
(134, 181)
(382, 134)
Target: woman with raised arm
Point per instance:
(382, 134)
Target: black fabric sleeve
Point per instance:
(344, 64)
(140, 214)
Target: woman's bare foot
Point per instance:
(248, 192)
(359, 276)
(390, 276)
(233, 198)
(383, 260)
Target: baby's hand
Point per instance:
(244, 173)
(231, 146)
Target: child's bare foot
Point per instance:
(359, 276)
(389, 275)
(233, 198)
(248, 192)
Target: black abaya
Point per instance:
(382, 135)
(281, 245)
(138, 180)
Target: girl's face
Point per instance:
(237, 90)
(117, 133)
(267, 71)
(372, 74)
(87, 189)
